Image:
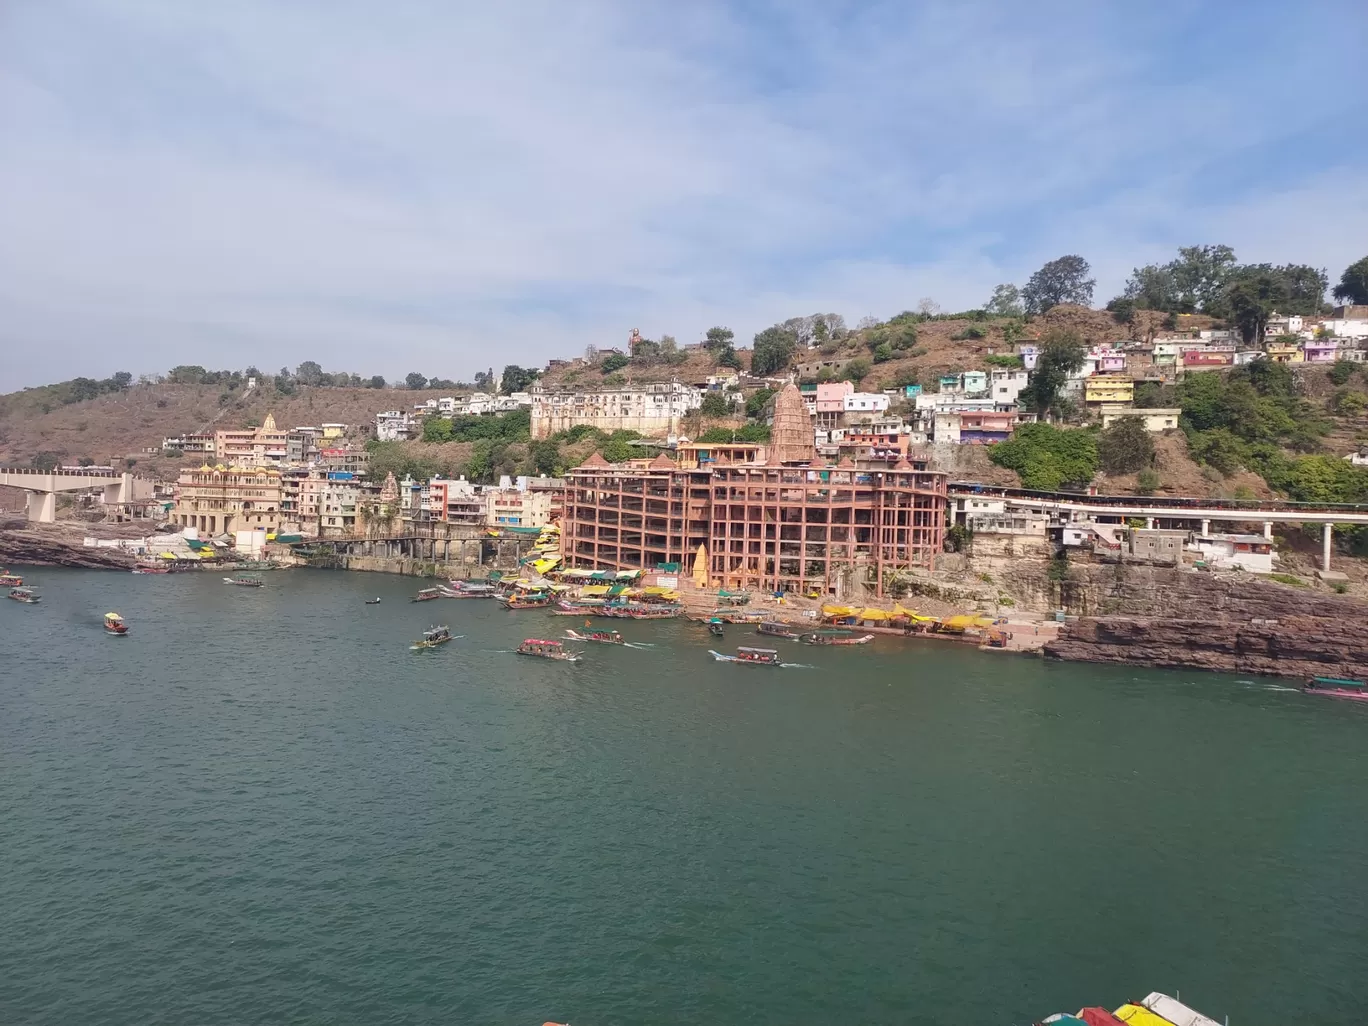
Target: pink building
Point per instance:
(831, 396)
(1321, 350)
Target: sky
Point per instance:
(447, 186)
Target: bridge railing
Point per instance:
(32, 472)
(964, 488)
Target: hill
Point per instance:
(119, 425)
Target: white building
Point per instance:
(654, 410)
(1005, 385)
(1156, 419)
(864, 402)
(392, 425)
(1252, 552)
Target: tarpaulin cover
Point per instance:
(1098, 1017)
(1138, 1016)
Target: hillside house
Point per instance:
(1108, 388)
(1156, 419)
(1252, 552)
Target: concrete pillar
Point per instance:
(42, 507)
(1268, 529)
(1149, 523)
(1326, 534)
(1206, 527)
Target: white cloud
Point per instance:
(441, 187)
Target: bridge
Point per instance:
(1191, 511)
(43, 485)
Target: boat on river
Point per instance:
(373, 602)
(245, 582)
(715, 628)
(522, 601)
(776, 629)
(9, 580)
(750, 656)
(150, 570)
(434, 636)
(428, 594)
(26, 595)
(114, 625)
(544, 649)
(472, 590)
(1337, 687)
(835, 638)
(602, 637)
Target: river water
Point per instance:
(262, 807)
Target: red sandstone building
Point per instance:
(784, 523)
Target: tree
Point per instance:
(883, 352)
(377, 382)
(1199, 277)
(1341, 372)
(251, 372)
(545, 457)
(928, 307)
(718, 338)
(1125, 446)
(772, 350)
(1353, 283)
(715, 405)
(1060, 281)
(415, 381)
(615, 361)
(1305, 287)
(729, 358)
(122, 379)
(46, 461)
(1061, 353)
(1152, 287)
(516, 379)
(1005, 302)
(1147, 481)
(755, 404)
(484, 381)
(1046, 457)
(1252, 294)
(437, 429)
(309, 373)
(616, 450)
(670, 353)
(856, 371)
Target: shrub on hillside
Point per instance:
(1125, 447)
(1047, 458)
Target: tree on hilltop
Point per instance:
(415, 381)
(1353, 283)
(773, 350)
(1005, 302)
(1060, 281)
(718, 338)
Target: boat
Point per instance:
(24, 595)
(1337, 687)
(11, 580)
(754, 656)
(434, 636)
(245, 582)
(372, 602)
(114, 625)
(526, 601)
(150, 570)
(640, 612)
(776, 629)
(835, 638)
(472, 590)
(603, 637)
(544, 649)
(428, 594)
(715, 628)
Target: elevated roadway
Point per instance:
(42, 487)
(1194, 511)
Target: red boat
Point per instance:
(1337, 687)
(114, 624)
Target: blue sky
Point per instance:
(441, 186)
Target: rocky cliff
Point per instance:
(1236, 623)
(54, 545)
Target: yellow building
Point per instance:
(265, 446)
(220, 500)
(1282, 353)
(1108, 388)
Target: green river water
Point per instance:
(262, 807)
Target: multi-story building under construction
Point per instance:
(770, 524)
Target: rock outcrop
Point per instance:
(1293, 645)
(51, 545)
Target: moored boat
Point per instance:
(715, 628)
(26, 595)
(544, 649)
(472, 590)
(835, 638)
(114, 625)
(434, 636)
(245, 582)
(776, 629)
(151, 570)
(603, 637)
(428, 594)
(751, 656)
(534, 601)
(1337, 687)
(373, 602)
(9, 580)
